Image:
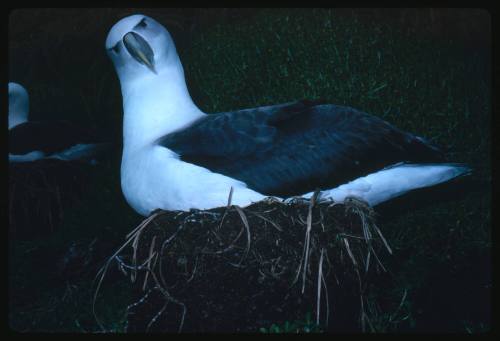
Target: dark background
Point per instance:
(58, 54)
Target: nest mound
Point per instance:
(40, 192)
(235, 269)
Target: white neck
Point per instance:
(15, 120)
(18, 112)
(156, 105)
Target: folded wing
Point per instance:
(296, 147)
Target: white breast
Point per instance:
(156, 178)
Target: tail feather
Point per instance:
(82, 152)
(397, 180)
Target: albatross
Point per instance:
(176, 157)
(36, 140)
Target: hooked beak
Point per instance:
(140, 50)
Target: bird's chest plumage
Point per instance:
(147, 180)
(154, 178)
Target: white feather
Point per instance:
(18, 104)
(31, 156)
(392, 182)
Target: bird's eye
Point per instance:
(142, 23)
(116, 48)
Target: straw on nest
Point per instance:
(237, 269)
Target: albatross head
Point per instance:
(156, 100)
(138, 45)
(18, 104)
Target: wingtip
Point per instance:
(466, 170)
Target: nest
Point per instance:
(40, 192)
(234, 269)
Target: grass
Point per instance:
(295, 327)
(436, 86)
(42, 296)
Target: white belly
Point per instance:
(31, 156)
(154, 178)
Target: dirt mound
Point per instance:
(231, 269)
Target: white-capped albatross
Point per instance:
(36, 140)
(175, 157)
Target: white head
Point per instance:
(18, 104)
(156, 100)
(139, 46)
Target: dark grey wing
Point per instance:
(297, 147)
(49, 137)
(235, 134)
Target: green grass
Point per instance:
(431, 86)
(307, 325)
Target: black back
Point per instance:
(49, 137)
